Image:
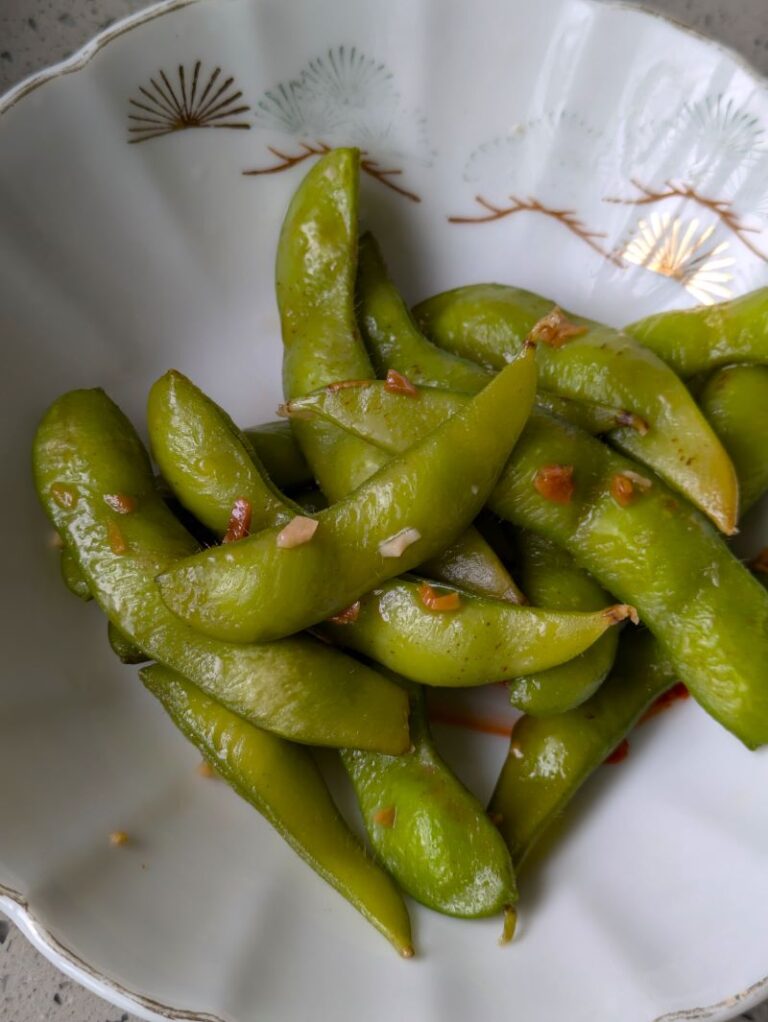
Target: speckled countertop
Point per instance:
(35, 33)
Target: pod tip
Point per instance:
(620, 612)
(510, 925)
(407, 951)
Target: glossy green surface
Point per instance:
(277, 450)
(85, 449)
(394, 341)
(280, 780)
(489, 322)
(255, 590)
(709, 336)
(124, 648)
(392, 338)
(530, 795)
(429, 832)
(735, 401)
(72, 577)
(657, 554)
(315, 286)
(482, 641)
(551, 757)
(552, 579)
(205, 459)
(316, 269)
(470, 563)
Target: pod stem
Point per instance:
(510, 924)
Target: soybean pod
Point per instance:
(447, 638)
(315, 284)
(735, 401)
(552, 579)
(94, 480)
(528, 798)
(394, 341)
(430, 833)
(280, 455)
(265, 587)
(708, 337)
(530, 795)
(641, 543)
(281, 781)
(581, 359)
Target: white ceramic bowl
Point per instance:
(594, 153)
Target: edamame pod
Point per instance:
(124, 648)
(260, 589)
(73, 577)
(735, 401)
(530, 794)
(708, 336)
(473, 642)
(471, 563)
(428, 831)
(316, 265)
(395, 342)
(490, 322)
(315, 286)
(282, 782)
(639, 541)
(450, 881)
(553, 580)
(94, 480)
(280, 455)
(206, 460)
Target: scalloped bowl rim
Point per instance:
(12, 902)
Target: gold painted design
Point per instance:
(567, 217)
(722, 208)
(192, 101)
(670, 246)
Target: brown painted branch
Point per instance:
(566, 217)
(383, 175)
(286, 160)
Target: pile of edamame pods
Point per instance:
(419, 448)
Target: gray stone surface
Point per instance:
(35, 33)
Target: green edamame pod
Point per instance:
(735, 401)
(72, 576)
(392, 338)
(471, 563)
(644, 546)
(553, 580)
(480, 851)
(708, 336)
(281, 781)
(529, 794)
(206, 460)
(315, 285)
(94, 480)
(316, 265)
(429, 832)
(473, 641)
(124, 648)
(281, 456)
(490, 322)
(592, 418)
(395, 342)
(375, 414)
(258, 589)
